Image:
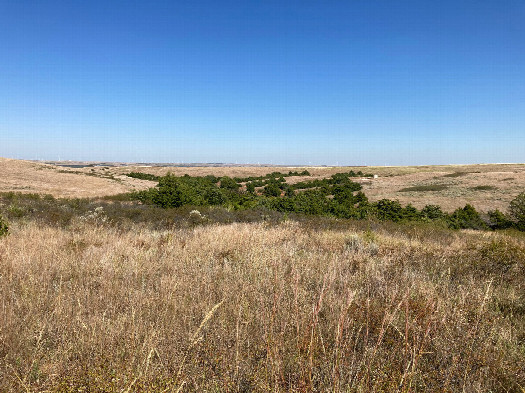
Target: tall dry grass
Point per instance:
(258, 307)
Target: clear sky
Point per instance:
(358, 82)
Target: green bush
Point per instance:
(250, 187)
(410, 213)
(272, 190)
(215, 197)
(4, 227)
(517, 211)
(336, 196)
(229, 184)
(466, 218)
(484, 188)
(168, 192)
(432, 212)
(142, 176)
(498, 220)
(387, 209)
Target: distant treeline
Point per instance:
(335, 196)
(143, 176)
(258, 181)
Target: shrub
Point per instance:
(215, 197)
(517, 211)
(250, 187)
(168, 193)
(142, 176)
(410, 213)
(387, 209)
(466, 218)
(456, 174)
(4, 227)
(272, 189)
(229, 183)
(498, 220)
(432, 212)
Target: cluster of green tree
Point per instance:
(336, 196)
(272, 175)
(275, 186)
(335, 179)
(143, 176)
(173, 191)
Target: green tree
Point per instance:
(272, 190)
(250, 187)
(229, 184)
(168, 192)
(214, 196)
(387, 209)
(498, 220)
(432, 212)
(466, 218)
(517, 211)
(410, 213)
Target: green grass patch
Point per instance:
(430, 187)
(456, 174)
(483, 188)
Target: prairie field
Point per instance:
(344, 306)
(107, 295)
(486, 187)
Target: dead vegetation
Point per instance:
(31, 177)
(291, 306)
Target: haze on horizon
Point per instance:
(296, 82)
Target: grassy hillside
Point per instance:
(485, 187)
(32, 177)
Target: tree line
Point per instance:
(337, 196)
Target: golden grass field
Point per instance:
(258, 307)
(310, 305)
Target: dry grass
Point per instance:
(471, 187)
(31, 177)
(258, 307)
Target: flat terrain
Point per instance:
(486, 187)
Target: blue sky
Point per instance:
(288, 82)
